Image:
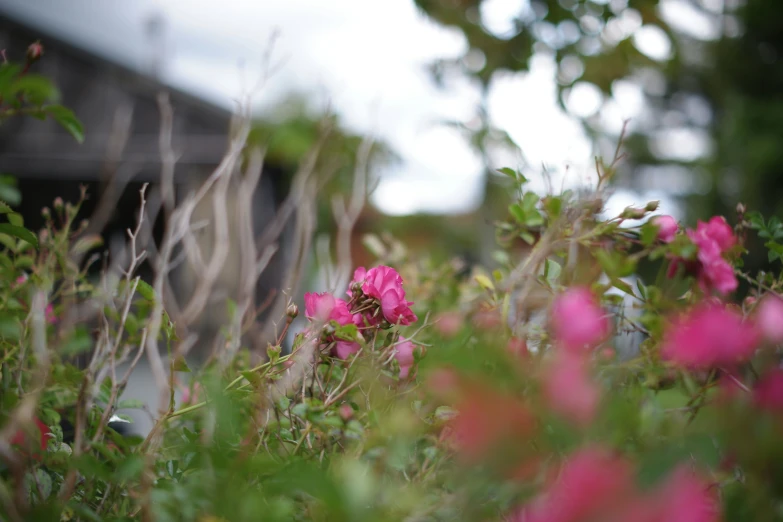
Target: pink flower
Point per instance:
(712, 239)
(486, 419)
(578, 321)
(591, 482)
(709, 335)
(686, 498)
(569, 390)
(667, 227)
(449, 323)
(682, 497)
(403, 352)
(326, 307)
(51, 318)
(768, 393)
(718, 274)
(346, 412)
(769, 318)
(719, 231)
(385, 285)
(344, 349)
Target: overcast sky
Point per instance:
(367, 59)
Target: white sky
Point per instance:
(368, 60)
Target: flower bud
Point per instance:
(652, 206)
(633, 213)
(741, 209)
(346, 412)
(58, 203)
(45, 212)
(292, 311)
(34, 52)
(273, 352)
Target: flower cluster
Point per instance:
(595, 484)
(380, 296)
(377, 300)
(713, 240)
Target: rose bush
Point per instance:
(415, 393)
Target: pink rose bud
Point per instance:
(34, 52)
(667, 227)
(769, 318)
(346, 412)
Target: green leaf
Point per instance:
(180, 365)
(19, 232)
(145, 290)
(10, 328)
(8, 71)
(80, 342)
(518, 213)
(16, 219)
(348, 332)
(485, 282)
(37, 89)
(68, 120)
(131, 404)
(8, 191)
(511, 173)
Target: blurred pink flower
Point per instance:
(591, 483)
(667, 227)
(769, 318)
(449, 323)
(578, 321)
(719, 231)
(384, 284)
(768, 393)
(681, 497)
(569, 389)
(51, 318)
(487, 419)
(709, 335)
(717, 273)
(346, 412)
(326, 307)
(518, 347)
(684, 497)
(403, 352)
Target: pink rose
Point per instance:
(769, 318)
(591, 483)
(684, 497)
(344, 349)
(718, 274)
(403, 352)
(326, 307)
(384, 284)
(578, 321)
(667, 227)
(569, 390)
(709, 335)
(712, 239)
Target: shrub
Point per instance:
(412, 392)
